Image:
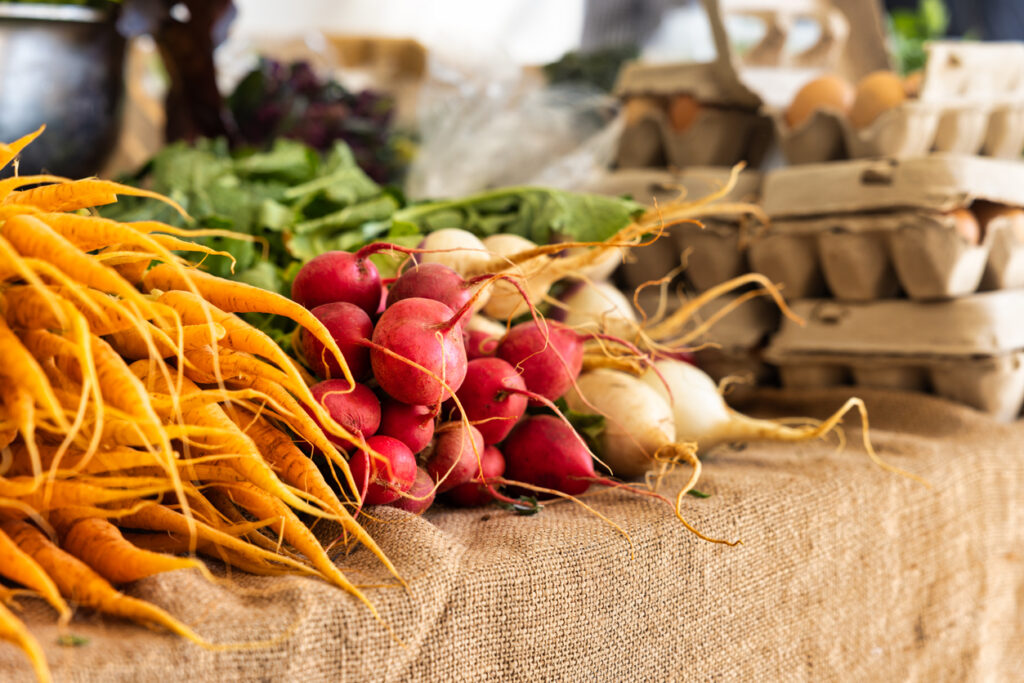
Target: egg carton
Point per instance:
(731, 123)
(969, 350)
(971, 101)
(714, 252)
(863, 230)
(733, 345)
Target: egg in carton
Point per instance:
(969, 350)
(862, 230)
(969, 100)
(712, 113)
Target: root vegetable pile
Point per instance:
(143, 424)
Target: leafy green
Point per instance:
(910, 29)
(536, 213)
(698, 494)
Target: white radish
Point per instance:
(638, 421)
(603, 267)
(484, 325)
(506, 301)
(702, 416)
(600, 307)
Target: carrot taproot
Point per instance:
(19, 368)
(132, 345)
(238, 297)
(82, 194)
(34, 238)
(99, 544)
(12, 149)
(83, 586)
(159, 518)
(21, 409)
(56, 494)
(264, 506)
(18, 566)
(240, 335)
(13, 630)
(179, 545)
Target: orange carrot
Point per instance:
(100, 545)
(12, 149)
(132, 345)
(82, 194)
(19, 567)
(85, 587)
(19, 368)
(14, 631)
(263, 506)
(237, 297)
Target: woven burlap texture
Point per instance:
(845, 572)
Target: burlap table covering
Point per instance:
(846, 571)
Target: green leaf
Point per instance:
(287, 160)
(698, 494)
(355, 216)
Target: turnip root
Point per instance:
(639, 433)
(460, 250)
(702, 416)
(600, 307)
(506, 301)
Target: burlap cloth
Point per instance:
(846, 572)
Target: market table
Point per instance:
(846, 571)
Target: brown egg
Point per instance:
(985, 212)
(912, 84)
(683, 111)
(966, 224)
(638, 108)
(877, 92)
(825, 92)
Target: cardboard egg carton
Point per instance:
(714, 252)
(730, 124)
(971, 101)
(733, 344)
(863, 230)
(969, 350)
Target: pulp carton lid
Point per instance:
(646, 185)
(708, 82)
(980, 324)
(939, 182)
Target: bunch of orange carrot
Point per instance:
(141, 421)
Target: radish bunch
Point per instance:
(439, 389)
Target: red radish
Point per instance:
(385, 480)
(338, 276)
(482, 336)
(491, 397)
(544, 451)
(454, 457)
(351, 327)
(418, 498)
(412, 425)
(473, 494)
(427, 333)
(549, 355)
(432, 281)
(358, 410)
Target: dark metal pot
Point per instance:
(60, 65)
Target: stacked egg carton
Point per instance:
(898, 285)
